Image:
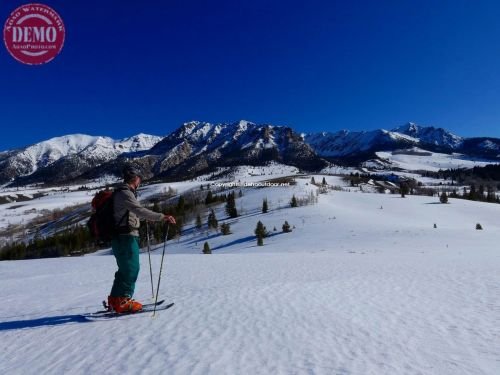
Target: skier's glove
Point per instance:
(169, 219)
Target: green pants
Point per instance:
(126, 251)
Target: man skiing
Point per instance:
(125, 243)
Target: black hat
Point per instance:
(130, 172)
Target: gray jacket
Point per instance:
(127, 207)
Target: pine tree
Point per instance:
(323, 182)
(260, 232)
(231, 206)
(209, 198)
(206, 248)
(313, 182)
(472, 193)
(198, 222)
(181, 203)
(212, 220)
(286, 227)
(225, 229)
(443, 198)
(481, 192)
(293, 202)
(240, 194)
(490, 195)
(403, 187)
(264, 206)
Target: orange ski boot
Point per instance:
(123, 305)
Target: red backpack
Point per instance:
(102, 221)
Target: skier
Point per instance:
(125, 243)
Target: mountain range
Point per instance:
(199, 147)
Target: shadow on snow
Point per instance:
(42, 322)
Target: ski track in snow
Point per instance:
(354, 289)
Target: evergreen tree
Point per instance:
(225, 229)
(293, 202)
(181, 205)
(313, 182)
(480, 193)
(240, 194)
(490, 195)
(443, 198)
(206, 248)
(209, 198)
(260, 230)
(231, 206)
(323, 182)
(403, 188)
(212, 220)
(198, 222)
(175, 230)
(264, 206)
(286, 227)
(472, 193)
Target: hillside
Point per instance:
(362, 285)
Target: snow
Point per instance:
(43, 154)
(432, 162)
(398, 136)
(489, 145)
(362, 285)
(346, 142)
(22, 212)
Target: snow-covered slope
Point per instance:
(362, 285)
(415, 159)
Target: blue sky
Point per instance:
(129, 67)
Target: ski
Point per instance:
(112, 314)
(148, 307)
(106, 307)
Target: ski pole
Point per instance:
(161, 268)
(149, 256)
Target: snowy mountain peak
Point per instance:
(81, 151)
(431, 135)
(47, 152)
(138, 142)
(350, 144)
